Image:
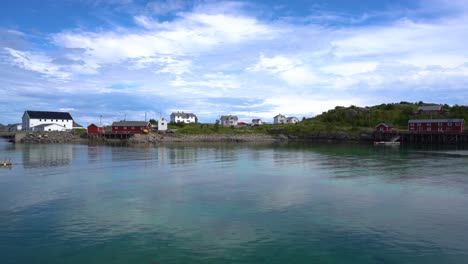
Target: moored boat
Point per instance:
(387, 143)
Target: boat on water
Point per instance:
(5, 162)
(387, 143)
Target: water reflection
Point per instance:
(234, 204)
(50, 155)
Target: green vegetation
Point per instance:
(79, 131)
(396, 114)
(346, 120)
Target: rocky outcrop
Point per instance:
(334, 136)
(236, 138)
(50, 137)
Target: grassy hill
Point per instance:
(341, 120)
(397, 114)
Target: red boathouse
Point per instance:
(93, 129)
(384, 127)
(436, 125)
(130, 127)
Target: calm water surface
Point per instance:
(233, 204)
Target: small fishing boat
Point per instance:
(387, 143)
(5, 162)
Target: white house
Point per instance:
(162, 124)
(14, 127)
(292, 120)
(229, 120)
(183, 118)
(31, 119)
(257, 122)
(48, 127)
(279, 119)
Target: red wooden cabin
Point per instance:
(384, 127)
(130, 127)
(93, 129)
(436, 125)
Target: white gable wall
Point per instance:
(51, 127)
(30, 123)
(162, 124)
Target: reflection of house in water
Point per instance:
(182, 155)
(48, 155)
(95, 153)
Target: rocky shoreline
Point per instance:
(67, 137)
(51, 137)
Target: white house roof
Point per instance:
(183, 115)
(229, 117)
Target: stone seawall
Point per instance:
(51, 137)
(236, 138)
(239, 138)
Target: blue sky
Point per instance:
(253, 59)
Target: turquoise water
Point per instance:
(233, 204)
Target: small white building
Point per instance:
(48, 127)
(162, 124)
(183, 118)
(229, 120)
(14, 127)
(257, 122)
(279, 119)
(31, 119)
(292, 120)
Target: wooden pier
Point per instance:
(436, 138)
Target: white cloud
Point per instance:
(219, 51)
(39, 63)
(293, 71)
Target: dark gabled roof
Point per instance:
(256, 120)
(75, 124)
(425, 108)
(229, 117)
(386, 125)
(183, 115)
(49, 115)
(291, 118)
(436, 120)
(280, 115)
(131, 123)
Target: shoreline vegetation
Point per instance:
(339, 124)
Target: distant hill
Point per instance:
(397, 114)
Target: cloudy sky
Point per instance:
(255, 59)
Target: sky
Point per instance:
(109, 60)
